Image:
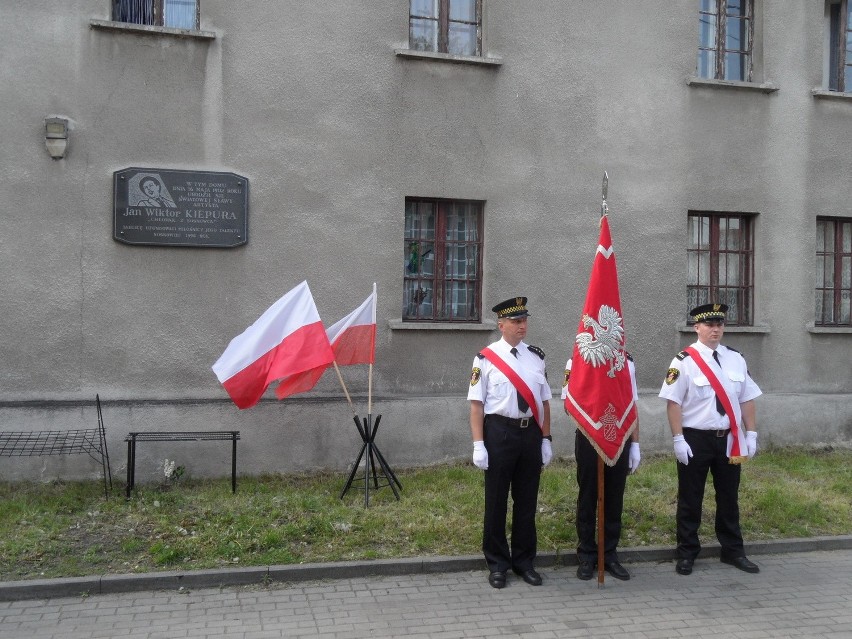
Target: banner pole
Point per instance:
(604, 211)
(600, 521)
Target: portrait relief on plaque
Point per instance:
(147, 189)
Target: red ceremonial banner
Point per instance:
(600, 394)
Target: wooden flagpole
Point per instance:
(600, 521)
(345, 391)
(370, 392)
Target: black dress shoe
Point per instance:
(684, 566)
(530, 576)
(497, 579)
(585, 570)
(742, 563)
(617, 570)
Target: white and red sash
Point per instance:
(517, 381)
(736, 442)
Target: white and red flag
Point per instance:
(287, 340)
(353, 341)
(600, 393)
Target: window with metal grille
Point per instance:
(839, 45)
(721, 263)
(179, 14)
(725, 39)
(446, 26)
(833, 271)
(442, 261)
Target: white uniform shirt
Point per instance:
(498, 395)
(686, 385)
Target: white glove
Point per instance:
(546, 452)
(480, 455)
(633, 457)
(682, 450)
(751, 443)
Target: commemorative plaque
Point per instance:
(163, 207)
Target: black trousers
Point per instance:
(514, 464)
(615, 479)
(708, 454)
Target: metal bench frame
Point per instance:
(178, 436)
(89, 441)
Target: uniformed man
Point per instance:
(510, 424)
(700, 422)
(615, 480)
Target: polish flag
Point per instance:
(353, 340)
(286, 340)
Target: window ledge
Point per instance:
(399, 325)
(110, 25)
(766, 87)
(825, 94)
(485, 61)
(837, 330)
(683, 327)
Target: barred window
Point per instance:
(840, 45)
(833, 271)
(179, 14)
(725, 39)
(442, 261)
(446, 26)
(721, 263)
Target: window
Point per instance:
(446, 26)
(725, 37)
(833, 271)
(840, 46)
(442, 260)
(721, 263)
(179, 14)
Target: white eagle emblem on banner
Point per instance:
(604, 347)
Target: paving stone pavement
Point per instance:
(798, 594)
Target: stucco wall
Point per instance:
(333, 131)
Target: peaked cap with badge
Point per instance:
(514, 307)
(709, 313)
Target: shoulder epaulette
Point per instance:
(733, 349)
(480, 356)
(536, 350)
(629, 356)
(682, 355)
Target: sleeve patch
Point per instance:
(475, 374)
(567, 377)
(672, 375)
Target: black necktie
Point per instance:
(522, 403)
(719, 408)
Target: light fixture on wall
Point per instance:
(56, 136)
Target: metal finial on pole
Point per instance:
(604, 207)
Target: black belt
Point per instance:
(510, 421)
(718, 432)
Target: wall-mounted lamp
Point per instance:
(56, 136)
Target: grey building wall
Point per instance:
(333, 129)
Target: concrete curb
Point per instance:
(110, 584)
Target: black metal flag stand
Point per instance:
(377, 472)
